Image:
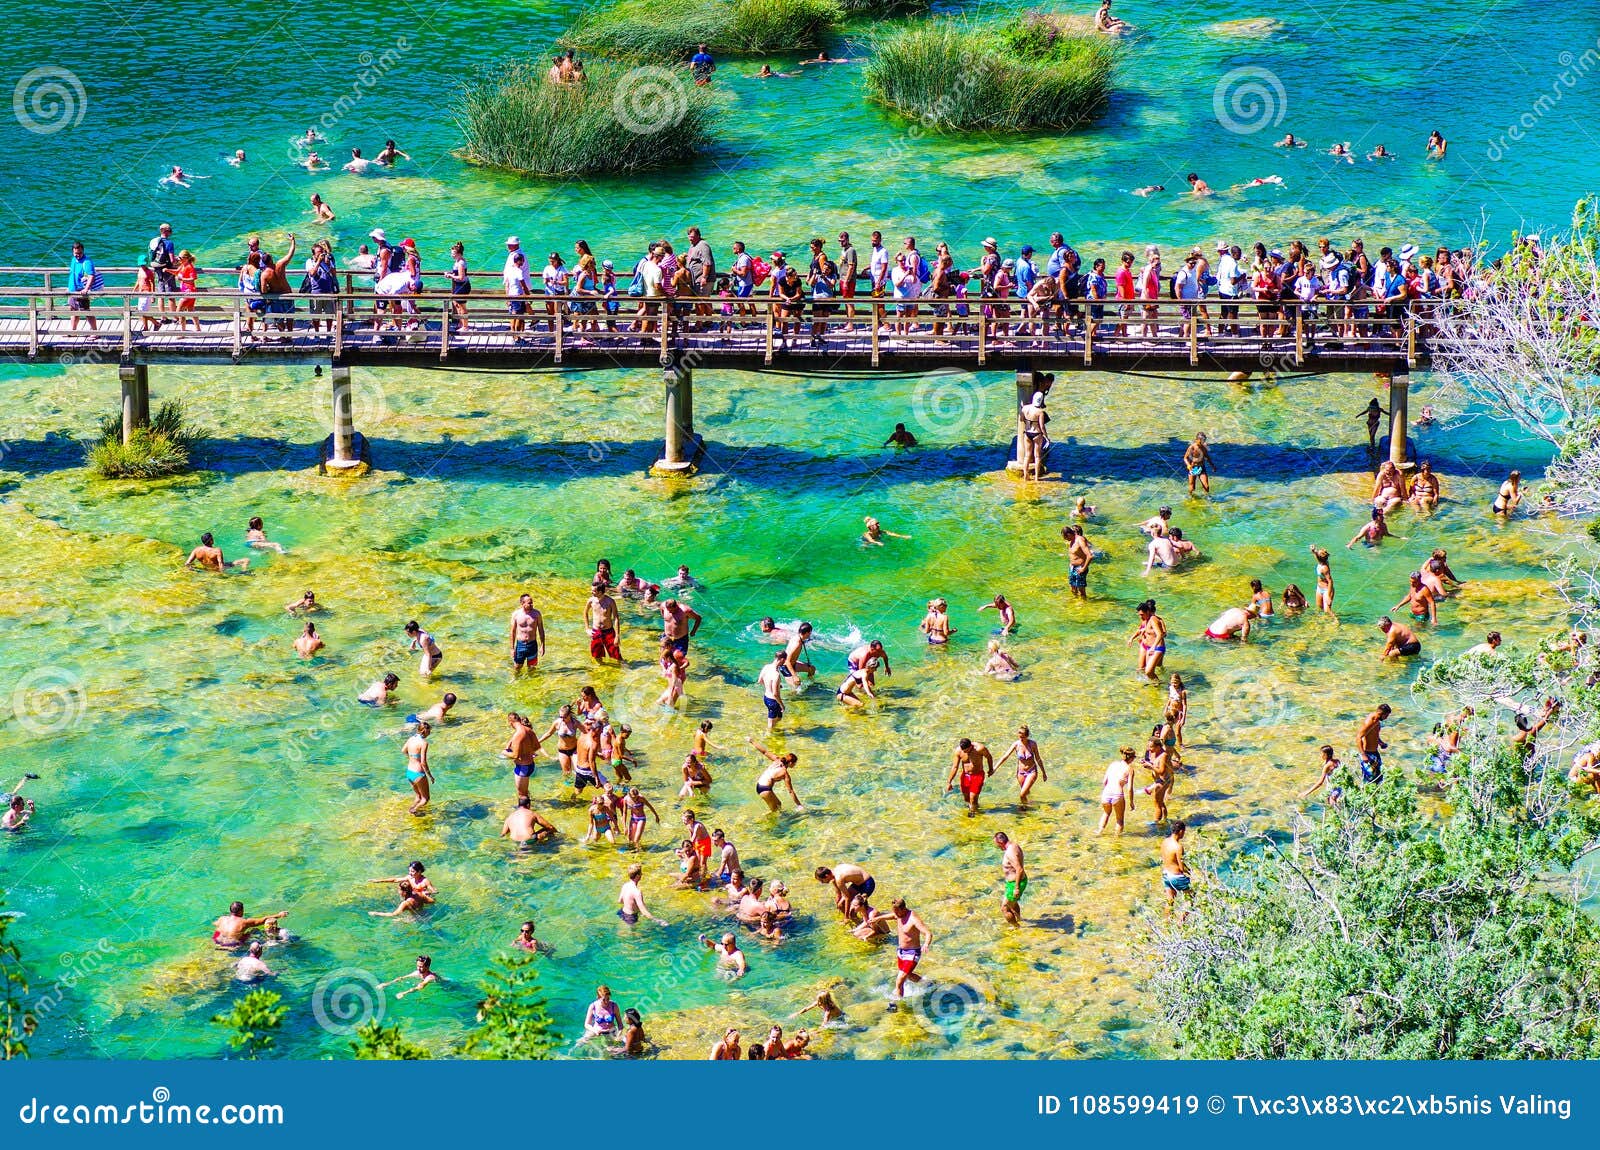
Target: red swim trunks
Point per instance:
(972, 785)
(604, 643)
(908, 959)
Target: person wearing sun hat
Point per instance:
(1336, 288)
(1408, 257)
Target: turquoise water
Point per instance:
(190, 758)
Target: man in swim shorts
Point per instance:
(527, 635)
(1175, 878)
(679, 624)
(630, 900)
(914, 937)
(849, 882)
(771, 681)
(1370, 744)
(600, 617)
(973, 764)
(1402, 642)
(1197, 461)
(1014, 874)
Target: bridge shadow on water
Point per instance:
(521, 461)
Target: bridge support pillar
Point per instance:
(135, 379)
(342, 456)
(1028, 382)
(678, 444)
(1399, 417)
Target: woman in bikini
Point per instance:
(695, 777)
(1425, 492)
(778, 772)
(600, 822)
(1178, 701)
(418, 773)
(936, 623)
(1151, 635)
(636, 805)
(1324, 579)
(601, 1017)
(675, 668)
(1509, 495)
(309, 642)
(565, 731)
(1158, 760)
(1030, 764)
(1262, 599)
(1389, 489)
(1373, 532)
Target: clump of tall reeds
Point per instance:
(618, 120)
(670, 30)
(1032, 71)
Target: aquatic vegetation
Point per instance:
(654, 30)
(152, 452)
(375, 1042)
(1257, 28)
(1029, 72)
(616, 121)
(253, 1021)
(883, 7)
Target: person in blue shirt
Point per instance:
(1058, 255)
(1096, 288)
(702, 65)
(81, 280)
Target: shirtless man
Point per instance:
(1402, 642)
(973, 764)
(867, 656)
(679, 624)
(229, 930)
(527, 636)
(600, 617)
(522, 750)
(914, 939)
(1419, 601)
(377, 695)
(771, 776)
(1370, 744)
(208, 557)
(729, 957)
(1234, 623)
(1116, 790)
(1079, 556)
(630, 900)
(1175, 877)
(849, 882)
(1015, 876)
(793, 655)
(1197, 462)
(524, 824)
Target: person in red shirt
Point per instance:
(1125, 291)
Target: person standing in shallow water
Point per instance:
(1175, 877)
(1197, 462)
(1079, 556)
(1015, 876)
(418, 773)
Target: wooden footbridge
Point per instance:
(42, 322)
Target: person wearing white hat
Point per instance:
(1408, 256)
(1232, 283)
(1336, 289)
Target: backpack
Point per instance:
(636, 285)
(924, 273)
(760, 269)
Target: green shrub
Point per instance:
(884, 7)
(616, 121)
(152, 452)
(1030, 72)
(662, 31)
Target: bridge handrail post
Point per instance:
(49, 298)
(444, 330)
(1300, 336)
(877, 322)
(238, 328)
(127, 328)
(983, 333)
(1194, 337)
(768, 360)
(1411, 336)
(33, 327)
(666, 327)
(559, 319)
(338, 326)
(1088, 341)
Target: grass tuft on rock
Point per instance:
(663, 31)
(620, 120)
(1035, 70)
(153, 452)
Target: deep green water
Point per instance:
(190, 758)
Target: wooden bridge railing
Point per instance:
(41, 316)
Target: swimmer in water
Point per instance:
(358, 164)
(1380, 153)
(1008, 614)
(1436, 145)
(1197, 186)
(1081, 509)
(309, 642)
(1374, 531)
(321, 210)
(424, 976)
(256, 536)
(1289, 141)
(767, 73)
(936, 623)
(1426, 419)
(208, 556)
(900, 437)
(773, 632)
(437, 712)
(875, 533)
(1342, 151)
(390, 154)
(377, 695)
(314, 163)
(1149, 189)
(1000, 665)
(251, 968)
(178, 178)
(524, 824)
(831, 1011)
(237, 158)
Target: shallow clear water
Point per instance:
(189, 758)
